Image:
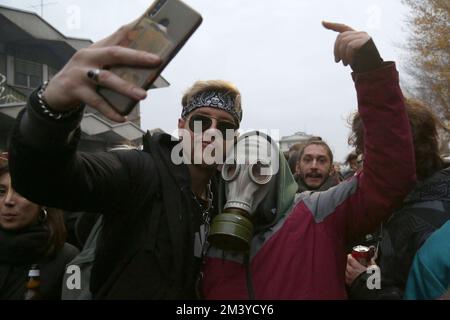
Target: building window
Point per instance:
(27, 74)
(51, 72)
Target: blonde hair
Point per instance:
(213, 85)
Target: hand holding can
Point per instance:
(363, 254)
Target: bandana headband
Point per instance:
(214, 99)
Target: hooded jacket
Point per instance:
(302, 256)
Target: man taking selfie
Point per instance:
(155, 212)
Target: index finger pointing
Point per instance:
(338, 27)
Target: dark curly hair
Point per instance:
(424, 126)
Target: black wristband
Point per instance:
(367, 58)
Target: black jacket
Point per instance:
(425, 210)
(145, 250)
(13, 277)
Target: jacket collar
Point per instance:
(160, 145)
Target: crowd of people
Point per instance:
(235, 218)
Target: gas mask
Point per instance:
(249, 173)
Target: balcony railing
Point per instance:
(8, 95)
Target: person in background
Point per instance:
(429, 277)
(352, 165)
(424, 210)
(314, 169)
(30, 234)
(337, 171)
(292, 156)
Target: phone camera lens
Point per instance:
(164, 22)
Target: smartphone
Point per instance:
(163, 30)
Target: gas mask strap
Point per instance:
(250, 290)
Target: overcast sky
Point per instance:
(275, 51)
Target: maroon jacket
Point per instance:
(303, 256)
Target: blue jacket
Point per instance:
(429, 277)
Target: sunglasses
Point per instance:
(206, 123)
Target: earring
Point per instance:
(43, 215)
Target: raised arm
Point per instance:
(45, 166)
(358, 205)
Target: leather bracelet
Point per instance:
(46, 110)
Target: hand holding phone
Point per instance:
(162, 30)
(71, 86)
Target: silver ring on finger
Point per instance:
(93, 74)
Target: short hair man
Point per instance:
(314, 167)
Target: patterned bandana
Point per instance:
(214, 99)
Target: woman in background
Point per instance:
(30, 235)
